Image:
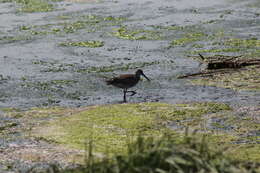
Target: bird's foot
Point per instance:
(133, 92)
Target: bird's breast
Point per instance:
(127, 82)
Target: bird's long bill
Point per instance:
(146, 77)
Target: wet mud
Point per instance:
(47, 59)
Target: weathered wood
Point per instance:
(232, 62)
(219, 65)
(202, 73)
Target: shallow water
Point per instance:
(36, 71)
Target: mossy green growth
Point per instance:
(74, 26)
(243, 151)
(7, 125)
(70, 25)
(112, 68)
(91, 44)
(11, 39)
(10, 109)
(35, 6)
(233, 45)
(124, 33)
(246, 43)
(36, 112)
(188, 38)
(112, 125)
(91, 23)
(237, 80)
(45, 112)
(217, 50)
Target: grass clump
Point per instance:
(91, 44)
(166, 155)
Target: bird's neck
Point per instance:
(137, 76)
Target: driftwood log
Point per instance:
(221, 64)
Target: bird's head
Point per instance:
(140, 72)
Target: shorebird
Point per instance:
(126, 81)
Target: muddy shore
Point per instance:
(59, 53)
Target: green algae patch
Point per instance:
(30, 6)
(16, 38)
(185, 35)
(188, 38)
(245, 46)
(111, 68)
(216, 50)
(91, 44)
(91, 23)
(66, 24)
(35, 6)
(243, 79)
(246, 43)
(110, 126)
(72, 24)
(130, 34)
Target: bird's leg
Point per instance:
(133, 92)
(125, 91)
